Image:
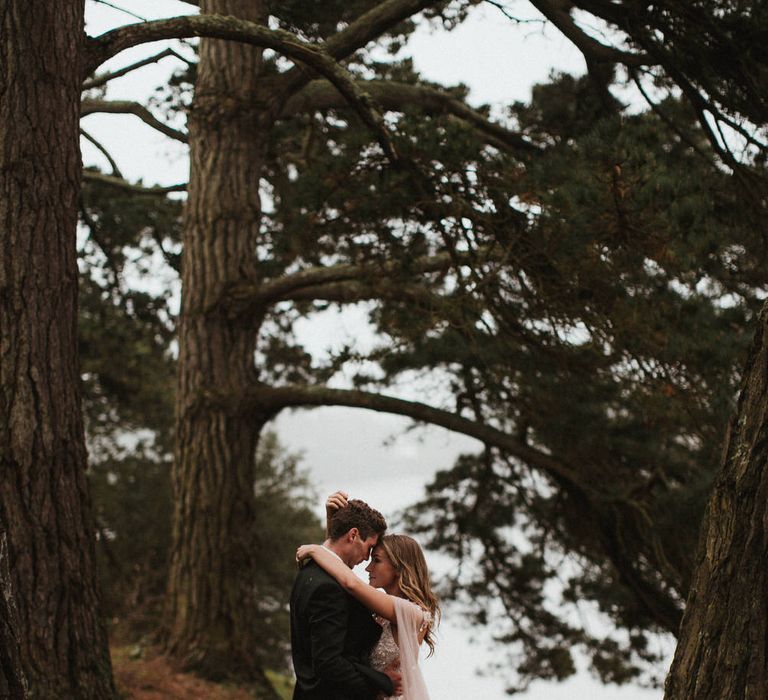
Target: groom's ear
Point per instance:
(354, 532)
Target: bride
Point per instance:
(407, 609)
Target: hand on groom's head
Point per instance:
(336, 500)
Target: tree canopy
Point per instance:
(579, 277)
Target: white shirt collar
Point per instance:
(327, 549)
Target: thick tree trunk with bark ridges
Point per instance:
(721, 652)
(13, 684)
(211, 603)
(43, 490)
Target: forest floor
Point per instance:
(141, 673)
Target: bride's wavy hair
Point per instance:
(408, 560)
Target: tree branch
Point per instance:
(556, 11)
(299, 285)
(99, 80)
(373, 24)
(668, 120)
(352, 292)
(277, 398)
(357, 34)
(130, 187)
(115, 170)
(233, 29)
(127, 107)
(121, 9)
(319, 94)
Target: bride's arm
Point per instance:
(372, 598)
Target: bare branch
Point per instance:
(372, 25)
(702, 107)
(121, 9)
(357, 34)
(300, 285)
(99, 80)
(115, 170)
(391, 95)
(126, 107)
(352, 292)
(556, 11)
(130, 187)
(276, 398)
(505, 11)
(230, 28)
(173, 260)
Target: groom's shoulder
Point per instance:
(312, 576)
(312, 585)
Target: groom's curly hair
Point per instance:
(357, 514)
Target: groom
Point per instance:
(331, 633)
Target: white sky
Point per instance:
(373, 456)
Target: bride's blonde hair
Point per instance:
(408, 560)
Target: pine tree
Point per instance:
(43, 491)
(477, 237)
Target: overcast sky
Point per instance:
(374, 456)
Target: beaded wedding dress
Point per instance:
(411, 621)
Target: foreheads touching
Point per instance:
(404, 553)
(354, 530)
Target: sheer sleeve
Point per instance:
(411, 620)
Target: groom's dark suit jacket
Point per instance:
(331, 636)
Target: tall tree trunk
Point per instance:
(211, 602)
(13, 684)
(43, 489)
(721, 651)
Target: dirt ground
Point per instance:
(142, 674)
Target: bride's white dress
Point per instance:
(411, 621)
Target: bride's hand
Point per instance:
(304, 552)
(335, 501)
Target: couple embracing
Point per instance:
(351, 640)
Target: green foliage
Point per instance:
(602, 321)
(610, 339)
(126, 333)
(283, 684)
(284, 502)
(716, 46)
(126, 325)
(132, 497)
(126, 367)
(131, 492)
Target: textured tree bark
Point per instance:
(721, 652)
(13, 684)
(211, 601)
(43, 489)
